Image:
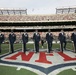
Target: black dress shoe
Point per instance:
(75, 52)
(48, 52)
(35, 52)
(64, 48)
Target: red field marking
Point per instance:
(66, 57)
(43, 59)
(23, 56)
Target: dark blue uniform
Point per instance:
(36, 38)
(1, 40)
(25, 40)
(12, 39)
(49, 39)
(73, 38)
(62, 39)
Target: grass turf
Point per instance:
(5, 47)
(67, 72)
(6, 70)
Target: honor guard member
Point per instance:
(73, 38)
(36, 38)
(25, 40)
(49, 39)
(12, 39)
(1, 40)
(62, 39)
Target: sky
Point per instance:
(37, 6)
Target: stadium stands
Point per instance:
(38, 27)
(29, 18)
(13, 11)
(65, 10)
(16, 17)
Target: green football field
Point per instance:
(67, 72)
(5, 70)
(5, 47)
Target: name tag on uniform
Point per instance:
(37, 34)
(62, 33)
(25, 35)
(51, 35)
(75, 33)
(13, 35)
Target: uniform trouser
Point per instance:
(37, 46)
(49, 46)
(63, 43)
(42, 43)
(24, 47)
(0, 48)
(75, 46)
(12, 49)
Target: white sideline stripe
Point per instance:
(55, 72)
(74, 68)
(18, 68)
(28, 68)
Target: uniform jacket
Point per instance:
(49, 37)
(25, 38)
(36, 37)
(1, 38)
(62, 37)
(73, 37)
(12, 38)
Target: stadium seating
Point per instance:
(37, 18)
(56, 17)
